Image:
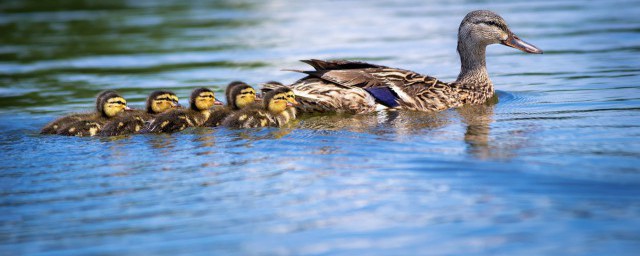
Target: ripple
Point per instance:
(559, 143)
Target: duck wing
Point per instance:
(339, 64)
(389, 86)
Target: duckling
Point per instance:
(273, 112)
(54, 125)
(291, 97)
(109, 105)
(134, 120)
(200, 102)
(239, 95)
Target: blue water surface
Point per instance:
(552, 167)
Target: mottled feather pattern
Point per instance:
(85, 127)
(52, 127)
(217, 116)
(318, 95)
(177, 120)
(250, 117)
(335, 86)
(127, 123)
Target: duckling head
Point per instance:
(110, 104)
(291, 98)
(202, 99)
(276, 101)
(227, 92)
(161, 101)
(481, 28)
(242, 96)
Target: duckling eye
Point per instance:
(163, 99)
(118, 102)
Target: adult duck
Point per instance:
(359, 87)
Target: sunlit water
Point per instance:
(552, 168)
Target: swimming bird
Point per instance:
(109, 104)
(272, 113)
(291, 97)
(200, 102)
(239, 95)
(359, 87)
(133, 121)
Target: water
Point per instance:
(552, 168)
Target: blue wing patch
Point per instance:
(384, 95)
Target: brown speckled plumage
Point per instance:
(84, 124)
(52, 127)
(342, 86)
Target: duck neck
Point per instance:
(473, 77)
(473, 64)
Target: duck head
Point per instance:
(202, 99)
(278, 100)
(241, 96)
(482, 28)
(110, 104)
(161, 101)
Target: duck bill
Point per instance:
(289, 104)
(295, 103)
(217, 103)
(515, 42)
(127, 108)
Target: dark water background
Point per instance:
(552, 169)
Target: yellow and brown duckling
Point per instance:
(53, 126)
(239, 95)
(200, 103)
(273, 112)
(109, 104)
(133, 121)
(291, 97)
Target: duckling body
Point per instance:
(239, 95)
(271, 113)
(109, 104)
(133, 121)
(359, 87)
(176, 120)
(53, 126)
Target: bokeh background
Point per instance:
(551, 168)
